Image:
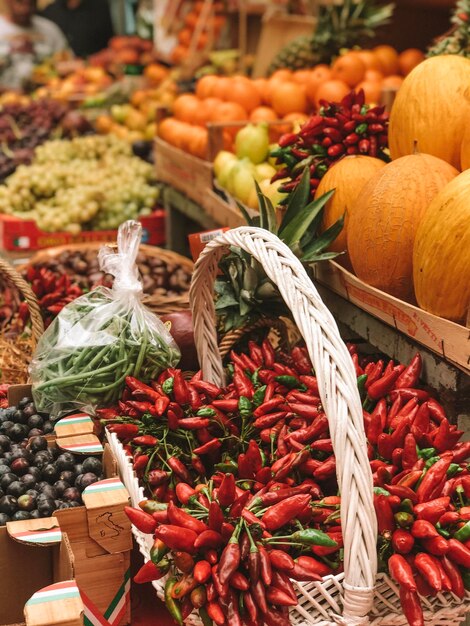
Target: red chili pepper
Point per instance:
(422, 529)
(266, 570)
(184, 492)
(145, 440)
(210, 446)
(410, 454)
(230, 557)
(250, 606)
(209, 389)
(308, 411)
(269, 356)
(410, 376)
(208, 539)
(374, 373)
(180, 388)
(177, 538)
(411, 606)
(179, 469)
(300, 573)
(193, 423)
(267, 406)
(226, 405)
(173, 420)
(226, 491)
(281, 560)
(380, 388)
(428, 569)
(436, 410)
(433, 477)
(202, 572)
(433, 509)
(384, 513)
(301, 360)
(215, 612)
(258, 593)
(149, 572)
(124, 432)
(141, 520)
(178, 517)
(401, 572)
(377, 422)
(279, 597)
(455, 577)
(402, 541)
(140, 462)
(239, 504)
(326, 470)
(242, 383)
(458, 553)
(281, 580)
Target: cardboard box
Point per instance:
(449, 340)
(99, 532)
(37, 572)
(17, 234)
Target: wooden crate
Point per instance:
(182, 171)
(449, 340)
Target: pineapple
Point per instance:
(339, 26)
(243, 291)
(457, 39)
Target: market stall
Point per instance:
(234, 316)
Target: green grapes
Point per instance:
(91, 182)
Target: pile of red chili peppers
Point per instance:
(242, 487)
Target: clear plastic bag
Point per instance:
(83, 358)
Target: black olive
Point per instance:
(48, 427)
(29, 410)
(8, 505)
(38, 444)
(17, 432)
(84, 480)
(35, 514)
(35, 421)
(20, 418)
(65, 461)
(36, 432)
(46, 506)
(71, 495)
(60, 486)
(20, 516)
(4, 443)
(92, 464)
(4, 518)
(36, 472)
(4, 469)
(68, 476)
(42, 458)
(16, 489)
(50, 473)
(23, 402)
(6, 479)
(5, 426)
(20, 466)
(28, 480)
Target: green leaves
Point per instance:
(301, 221)
(266, 212)
(313, 252)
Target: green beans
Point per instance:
(83, 358)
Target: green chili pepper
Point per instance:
(379, 491)
(319, 149)
(255, 377)
(431, 461)
(361, 385)
(290, 382)
(444, 533)
(463, 533)
(167, 386)
(245, 407)
(227, 467)
(454, 468)
(206, 412)
(361, 128)
(313, 537)
(230, 370)
(426, 453)
(406, 506)
(258, 396)
(171, 604)
(404, 520)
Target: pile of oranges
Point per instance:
(286, 95)
(211, 30)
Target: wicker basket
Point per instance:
(20, 347)
(358, 596)
(159, 304)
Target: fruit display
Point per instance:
(423, 101)
(385, 216)
(341, 128)
(440, 254)
(123, 51)
(242, 496)
(339, 26)
(23, 126)
(77, 86)
(91, 182)
(457, 40)
(35, 478)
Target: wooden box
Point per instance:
(450, 340)
(37, 574)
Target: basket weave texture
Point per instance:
(358, 596)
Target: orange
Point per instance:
(127, 56)
(373, 75)
(288, 97)
(263, 114)
(388, 59)
(167, 129)
(372, 91)
(302, 76)
(202, 114)
(205, 86)
(103, 124)
(369, 59)
(298, 117)
(229, 112)
(179, 54)
(409, 59)
(155, 73)
(349, 68)
(222, 88)
(332, 91)
(202, 41)
(244, 93)
(184, 37)
(320, 74)
(212, 104)
(191, 19)
(185, 107)
(197, 142)
(283, 74)
(392, 81)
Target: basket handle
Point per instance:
(37, 324)
(337, 385)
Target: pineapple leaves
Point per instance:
(298, 226)
(266, 211)
(249, 220)
(314, 251)
(297, 199)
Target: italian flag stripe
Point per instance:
(79, 419)
(53, 595)
(85, 447)
(40, 536)
(118, 605)
(92, 614)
